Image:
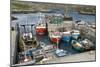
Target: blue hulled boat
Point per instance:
(66, 36)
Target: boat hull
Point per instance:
(77, 48)
(66, 38)
(55, 40)
(55, 37)
(40, 31)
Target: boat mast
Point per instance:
(57, 38)
(65, 11)
(40, 18)
(24, 42)
(57, 43)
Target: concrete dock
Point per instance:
(86, 56)
(13, 46)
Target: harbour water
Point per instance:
(32, 18)
(85, 17)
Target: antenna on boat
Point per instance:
(40, 18)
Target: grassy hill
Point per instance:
(35, 6)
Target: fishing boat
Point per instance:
(66, 36)
(55, 37)
(41, 25)
(75, 34)
(56, 19)
(41, 29)
(82, 45)
(54, 34)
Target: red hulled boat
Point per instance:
(41, 29)
(55, 37)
